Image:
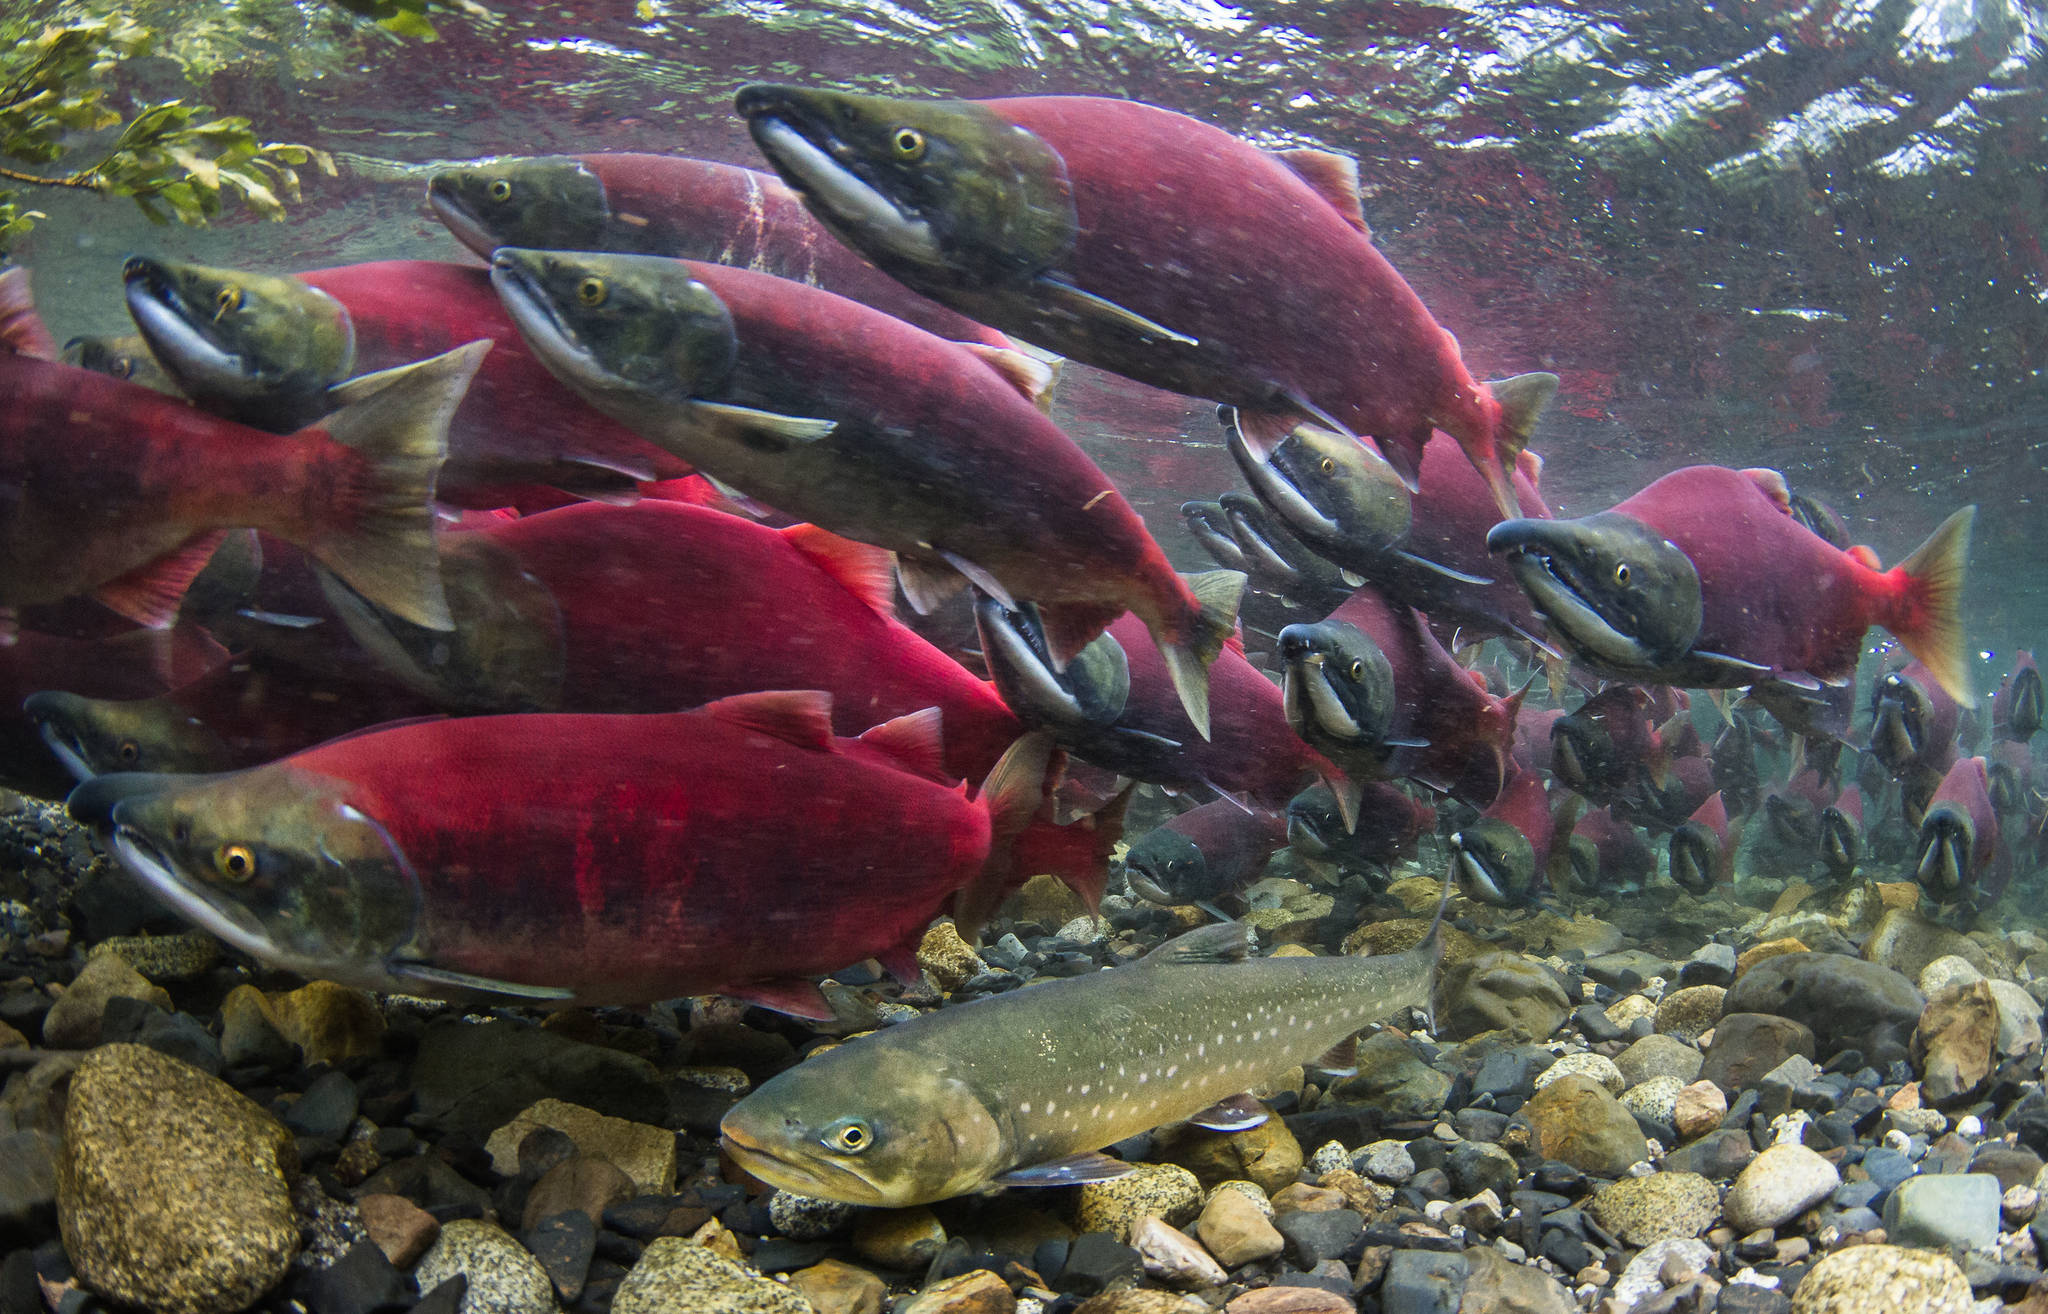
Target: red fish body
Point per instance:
(1205, 852)
(588, 859)
(518, 432)
(1608, 852)
(1451, 513)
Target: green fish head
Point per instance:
(1315, 825)
(1945, 865)
(1495, 863)
(1583, 858)
(1339, 687)
(1166, 867)
(546, 201)
(1272, 552)
(262, 349)
(1696, 857)
(869, 1125)
(941, 191)
(1089, 694)
(1331, 490)
(273, 860)
(1841, 842)
(95, 735)
(618, 323)
(1610, 586)
(120, 356)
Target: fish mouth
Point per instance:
(1560, 592)
(1021, 662)
(181, 337)
(456, 217)
(221, 918)
(1250, 536)
(1201, 518)
(1565, 763)
(1692, 859)
(1148, 889)
(1474, 874)
(1306, 836)
(540, 322)
(1276, 486)
(825, 1180)
(1547, 558)
(46, 712)
(1310, 700)
(1899, 723)
(1840, 847)
(831, 175)
(1946, 839)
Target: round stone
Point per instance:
(1777, 1186)
(1689, 1013)
(1585, 1064)
(1655, 1099)
(503, 1277)
(1883, 1280)
(1660, 1207)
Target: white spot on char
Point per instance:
(1175, 1068)
(1025, 1107)
(1086, 1088)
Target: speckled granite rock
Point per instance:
(173, 1190)
(1883, 1280)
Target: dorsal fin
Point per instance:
(865, 571)
(798, 716)
(1219, 942)
(1866, 556)
(22, 331)
(1033, 378)
(1334, 177)
(1773, 485)
(915, 740)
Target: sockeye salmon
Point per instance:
(1155, 246)
(562, 859)
(109, 488)
(1021, 1088)
(868, 427)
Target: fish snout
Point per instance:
(1298, 644)
(96, 801)
(1525, 535)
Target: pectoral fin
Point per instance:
(443, 978)
(767, 428)
(1068, 1170)
(1092, 309)
(1233, 1113)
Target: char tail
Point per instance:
(1201, 638)
(380, 541)
(1931, 623)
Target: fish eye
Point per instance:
(1358, 668)
(591, 291)
(129, 752)
(850, 1137)
(1622, 573)
(229, 298)
(501, 190)
(234, 863)
(1328, 465)
(909, 144)
(122, 367)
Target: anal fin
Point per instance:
(1232, 1113)
(1068, 1170)
(149, 595)
(797, 998)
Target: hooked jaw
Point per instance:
(1695, 858)
(177, 337)
(456, 217)
(50, 713)
(1613, 589)
(827, 171)
(1494, 863)
(1947, 840)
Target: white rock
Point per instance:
(1641, 1280)
(1175, 1258)
(1329, 1157)
(1969, 1125)
(1585, 1064)
(1949, 969)
(2019, 1018)
(1777, 1186)
(1656, 1098)
(1386, 1161)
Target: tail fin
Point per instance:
(1521, 399)
(1217, 592)
(1013, 794)
(1930, 621)
(382, 543)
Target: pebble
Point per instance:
(401, 1229)
(902, 1239)
(674, 1276)
(833, 1287)
(502, 1276)
(173, 1190)
(1643, 1275)
(1173, 1257)
(1688, 1013)
(1329, 1156)
(1385, 1161)
(1944, 1209)
(950, 960)
(1267, 1154)
(1578, 1122)
(1585, 1064)
(1953, 1042)
(645, 1153)
(977, 1292)
(1659, 1207)
(1323, 1234)
(73, 1022)
(1883, 1279)
(806, 1217)
(1778, 1185)
(1166, 1191)
(579, 1184)
(1236, 1231)
(1424, 1282)
(1658, 1056)
(1655, 1099)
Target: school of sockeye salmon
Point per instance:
(527, 632)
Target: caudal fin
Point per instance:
(1929, 620)
(380, 538)
(1521, 399)
(1217, 593)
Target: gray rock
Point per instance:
(1328, 1158)
(2019, 1019)
(1655, 1099)
(1710, 964)
(1393, 1078)
(173, 1191)
(73, 1022)
(1424, 1282)
(1501, 991)
(1659, 1056)
(1883, 1280)
(503, 1277)
(28, 1182)
(1748, 1045)
(1385, 1161)
(1778, 1185)
(1496, 1285)
(1944, 1209)
(1717, 1156)
(806, 1217)
(675, 1276)
(1476, 1167)
(1845, 1001)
